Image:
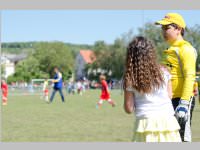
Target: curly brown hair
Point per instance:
(142, 70)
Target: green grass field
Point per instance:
(30, 119)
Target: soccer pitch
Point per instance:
(28, 118)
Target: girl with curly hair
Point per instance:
(147, 92)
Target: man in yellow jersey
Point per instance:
(180, 58)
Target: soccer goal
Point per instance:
(37, 84)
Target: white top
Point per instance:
(45, 85)
(79, 85)
(155, 104)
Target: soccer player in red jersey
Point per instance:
(105, 95)
(4, 88)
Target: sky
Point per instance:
(80, 26)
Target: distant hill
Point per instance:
(25, 47)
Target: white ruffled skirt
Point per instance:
(159, 129)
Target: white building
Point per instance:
(8, 62)
(8, 66)
(84, 57)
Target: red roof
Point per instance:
(88, 56)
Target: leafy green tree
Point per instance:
(109, 58)
(153, 32)
(28, 69)
(2, 69)
(117, 57)
(193, 35)
(41, 61)
(54, 54)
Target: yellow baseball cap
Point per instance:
(172, 18)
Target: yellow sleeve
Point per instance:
(188, 59)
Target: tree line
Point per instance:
(109, 57)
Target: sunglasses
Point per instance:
(166, 27)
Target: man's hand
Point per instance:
(181, 111)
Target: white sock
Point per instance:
(46, 98)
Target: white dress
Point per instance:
(155, 121)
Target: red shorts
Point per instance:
(46, 92)
(5, 94)
(105, 96)
(4, 97)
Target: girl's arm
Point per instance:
(107, 90)
(169, 89)
(168, 76)
(128, 101)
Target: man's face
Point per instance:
(55, 70)
(170, 33)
